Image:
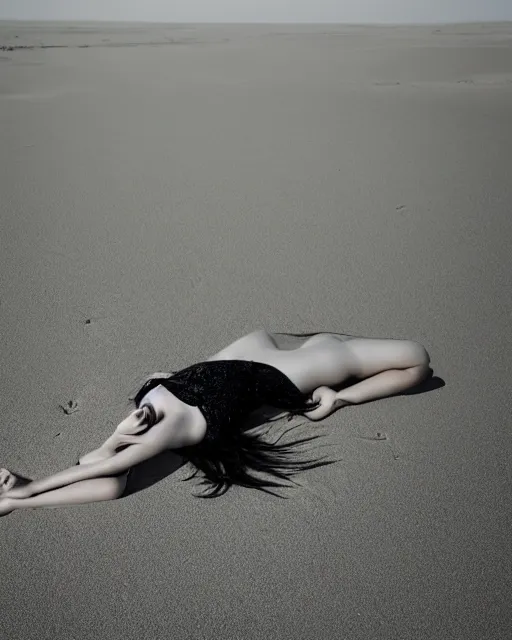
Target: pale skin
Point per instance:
(382, 367)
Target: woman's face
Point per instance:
(137, 421)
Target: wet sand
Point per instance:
(166, 189)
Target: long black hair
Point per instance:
(233, 458)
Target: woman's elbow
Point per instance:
(113, 487)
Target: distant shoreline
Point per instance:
(258, 24)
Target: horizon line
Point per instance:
(237, 23)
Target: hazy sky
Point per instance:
(259, 10)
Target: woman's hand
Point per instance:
(10, 486)
(329, 402)
(7, 480)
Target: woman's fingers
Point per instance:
(7, 481)
(328, 402)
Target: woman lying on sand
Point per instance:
(200, 410)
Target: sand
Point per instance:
(166, 189)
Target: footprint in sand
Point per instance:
(70, 407)
(94, 319)
(376, 438)
(382, 437)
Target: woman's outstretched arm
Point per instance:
(121, 461)
(84, 492)
(382, 385)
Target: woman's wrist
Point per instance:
(20, 492)
(341, 399)
(30, 489)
